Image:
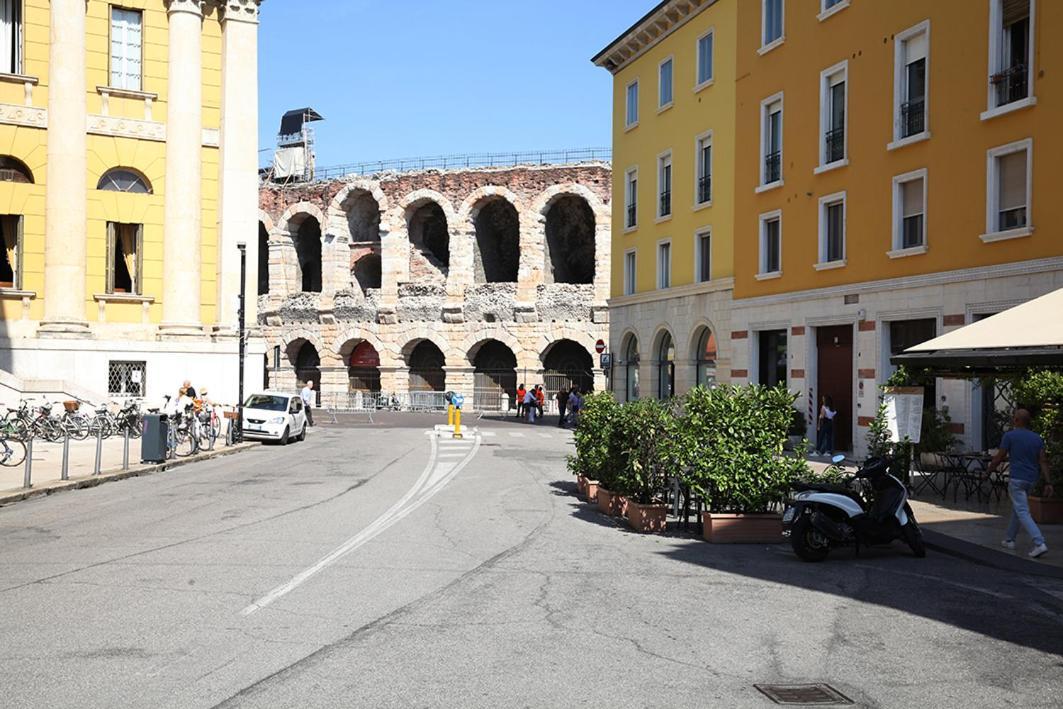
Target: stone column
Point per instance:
(65, 204)
(183, 221)
(238, 178)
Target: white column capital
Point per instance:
(194, 7)
(240, 10)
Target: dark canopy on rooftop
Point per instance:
(292, 121)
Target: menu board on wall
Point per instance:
(904, 413)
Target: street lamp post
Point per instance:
(239, 436)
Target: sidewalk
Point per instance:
(47, 466)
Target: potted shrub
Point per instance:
(798, 431)
(1042, 393)
(595, 455)
(643, 428)
(729, 441)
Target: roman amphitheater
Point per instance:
(400, 286)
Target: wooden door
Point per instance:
(834, 346)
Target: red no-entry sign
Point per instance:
(599, 346)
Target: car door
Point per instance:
(298, 416)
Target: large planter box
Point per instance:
(647, 518)
(741, 529)
(1046, 510)
(591, 491)
(581, 485)
(612, 503)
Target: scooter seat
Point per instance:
(822, 487)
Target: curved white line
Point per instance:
(428, 484)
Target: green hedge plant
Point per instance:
(1042, 393)
(641, 435)
(597, 456)
(728, 443)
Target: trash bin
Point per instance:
(153, 442)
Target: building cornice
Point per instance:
(687, 291)
(660, 22)
(1017, 268)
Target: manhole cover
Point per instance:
(804, 694)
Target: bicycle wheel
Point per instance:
(76, 427)
(185, 443)
(207, 436)
(135, 422)
(14, 453)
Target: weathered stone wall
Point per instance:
(419, 298)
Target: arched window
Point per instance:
(666, 368)
(121, 179)
(705, 357)
(631, 369)
(14, 170)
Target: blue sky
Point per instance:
(434, 77)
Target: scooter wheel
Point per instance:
(808, 544)
(914, 539)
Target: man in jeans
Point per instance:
(307, 395)
(1026, 456)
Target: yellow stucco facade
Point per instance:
(123, 147)
(703, 109)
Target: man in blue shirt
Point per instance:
(1027, 460)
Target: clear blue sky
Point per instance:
(433, 77)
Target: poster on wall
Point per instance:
(904, 413)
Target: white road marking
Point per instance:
(516, 434)
(545, 435)
(489, 434)
(434, 477)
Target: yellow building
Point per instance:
(673, 217)
(128, 174)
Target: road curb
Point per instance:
(118, 474)
(984, 556)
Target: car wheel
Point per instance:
(302, 434)
(284, 437)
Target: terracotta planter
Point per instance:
(647, 518)
(612, 503)
(741, 529)
(1046, 510)
(591, 491)
(581, 485)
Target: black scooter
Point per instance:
(823, 516)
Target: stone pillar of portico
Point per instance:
(65, 203)
(238, 178)
(182, 217)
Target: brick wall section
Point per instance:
(954, 320)
(866, 326)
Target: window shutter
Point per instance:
(126, 41)
(912, 198)
(111, 237)
(138, 287)
(915, 48)
(7, 36)
(1015, 10)
(133, 50)
(117, 48)
(1012, 175)
(17, 266)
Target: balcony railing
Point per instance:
(772, 167)
(666, 203)
(631, 215)
(704, 189)
(1011, 85)
(913, 117)
(834, 144)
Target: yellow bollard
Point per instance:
(450, 414)
(457, 424)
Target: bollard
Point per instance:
(450, 414)
(27, 480)
(457, 423)
(65, 472)
(99, 450)
(125, 450)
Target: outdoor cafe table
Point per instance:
(971, 470)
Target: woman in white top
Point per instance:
(825, 438)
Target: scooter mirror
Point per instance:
(838, 459)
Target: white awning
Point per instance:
(1035, 323)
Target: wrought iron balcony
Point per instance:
(913, 117)
(666, 203)
(1011, 85)
(834, 144)
(772, 167)
(704, 188)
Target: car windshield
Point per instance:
(267, 402)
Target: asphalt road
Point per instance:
(371, 567)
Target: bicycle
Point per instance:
(185, 433)
(75, 423)
(103, 424)
(130, 420)
(14, 450)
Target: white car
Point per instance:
(274, 416)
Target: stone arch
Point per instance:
(267, 220)
(567, 363)
(361, 357)
(368, 270)
(292, 340)
(493, 216)
(570, 231)
(303, 223)
(262, 261)
(628, 363)
(429, 218)
(704, 352)
(357, 212)
(664, 361)
(494, 375)
(297, 212)
(426, 362)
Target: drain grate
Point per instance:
(804, 694)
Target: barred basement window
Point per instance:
(127, 378)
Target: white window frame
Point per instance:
(699, 277)
(898, 86)
(699, 141)
(629, 174)
(110, 54)
(766, 47)
(826, 201)
(898, 250)
(664, 269)
(993, 192)
(630, 274)
(763, 219)
(665, 159)
(996, 17)
(628, 122)
(698, 84)
(764, 106)
(826, 12)
(663, 105)
(826, 80)
(15, 50)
